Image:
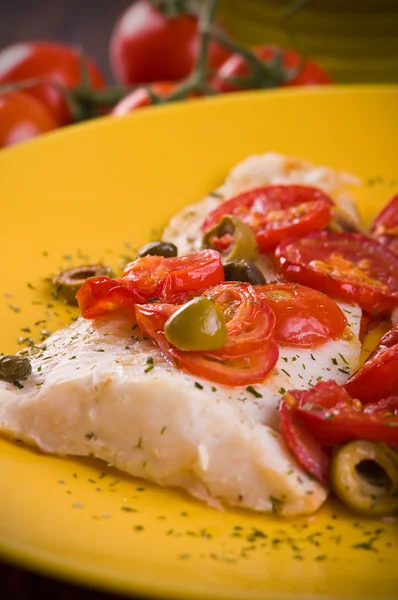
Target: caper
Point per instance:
(67, 283)
(14, 368)
(197, 325)
(243, 270)
(364, 475)
(165, 249)
(243, 244)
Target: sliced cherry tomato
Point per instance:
(249, 354)
(276, 212)
(57, 63)
(151, 277)
(22, 117)
(140, 97)
(385, 225)
(250, 322)
(378, 377)
(348, 267)
(239, 370)
(99, 296)
(332, 416)
(149, 45)
(168, 277)
(304, 317)
(304, 446)
(236, 66)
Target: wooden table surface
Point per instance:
(88, 25)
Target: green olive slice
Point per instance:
(243, 245)
(67, 283)
(243, 270)
(165, 249)
(14, 368)
(364, 475)
(197, 325)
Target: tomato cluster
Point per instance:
(45, 85)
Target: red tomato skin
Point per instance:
(236, 66)
(57, 62)
(99, 296)
(378, 377)
(385, 225)
(241, 370)
(292, 263)
(304, 317)
(22, 117)
(140, 98)
(148, 46)
(304, 446)
(387, 219)
(261, 209)
(332, 416)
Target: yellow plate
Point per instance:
(99, 189)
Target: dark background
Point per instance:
(85, 23)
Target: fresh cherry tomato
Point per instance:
(236, 66)
(276, 212)
(22, 117)
(304, 317)
(140, 97)
(349, 267)
(378, 377)
(385, 225)
(148, 45)
(332, 416)
(57, 63)
(304, 446)
(250, 353)
(150, 277)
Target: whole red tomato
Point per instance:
(140, 97)
(148, 45)
(236, 66)
(59, 63)
(22, 117)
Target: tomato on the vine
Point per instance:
(149, 45)
(22, 117)
(141, 97)
(57, 63)
(236, 66)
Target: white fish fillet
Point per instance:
(91, 392)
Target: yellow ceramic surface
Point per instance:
(99, 189)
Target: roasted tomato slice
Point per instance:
(99, 296)
(385, 225)
(166, 277)
(378, 377)
(249, 354)
(276, 212)
(348, 267)
(304, 317)
(238, 370)
(151, 277)
(250, 322)
(304, 446)
(332, 416)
